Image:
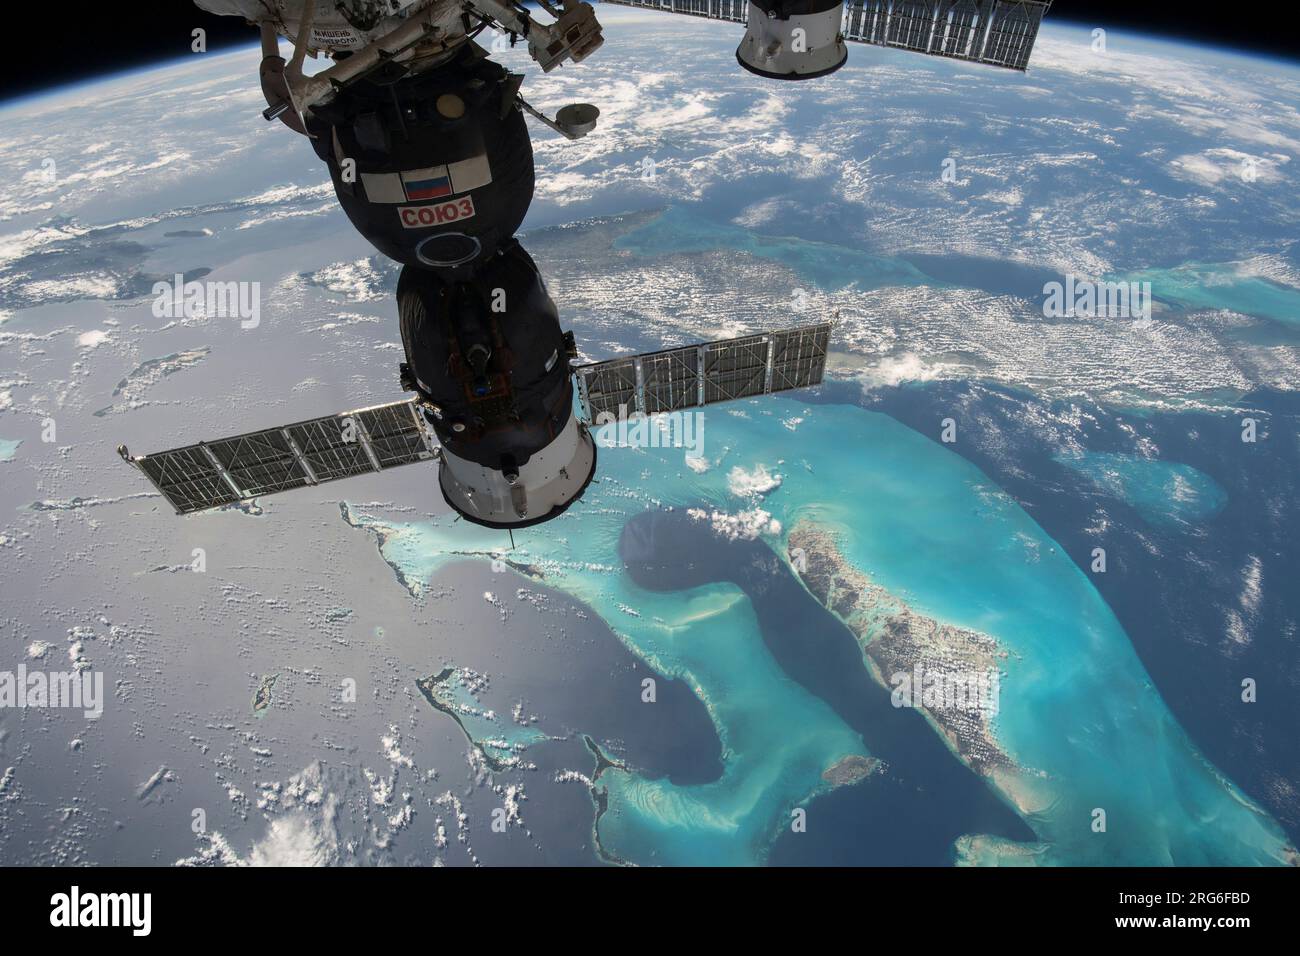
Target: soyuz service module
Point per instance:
(426, 143)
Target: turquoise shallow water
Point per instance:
(1221, 286)
(680, 229)
(1163, 492)
(1078, 712)
(8, 448)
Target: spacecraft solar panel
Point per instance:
(671, 380)
(221, 472)
(735, 10)
(1012, 31)
(996, 32)
(799, 357)
(735, 368)
(695, 375)
(608, 385)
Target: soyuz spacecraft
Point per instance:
(426, 143)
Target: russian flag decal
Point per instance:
(430, 183)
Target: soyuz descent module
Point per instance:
(427, 146)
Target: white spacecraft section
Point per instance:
(994, 32)
(333, 26)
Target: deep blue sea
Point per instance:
(1208, 597)
(1120, 690)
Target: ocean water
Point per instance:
(925, 798)
(1221, 285)
(1163, 492)
(1079, 715)
(8, 449)
(1206, 602)
(680, 229)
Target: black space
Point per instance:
(107, 36)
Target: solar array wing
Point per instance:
(221, 472)
(736, 11)
(695, 375)
(996, 32)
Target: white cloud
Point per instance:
(754, 483)
(1215, 166)
(743, 526)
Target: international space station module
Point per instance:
(425, 139)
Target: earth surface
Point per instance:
(346, 675)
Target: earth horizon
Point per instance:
(1011, 588)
